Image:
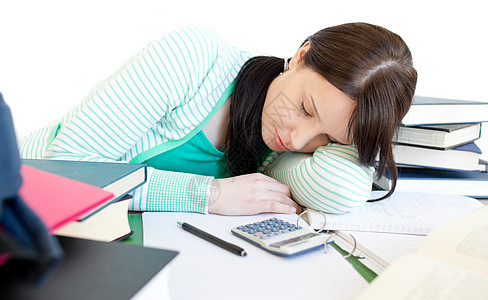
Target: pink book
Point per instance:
(4, 258)
(58, 200)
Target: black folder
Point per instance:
(95, 270)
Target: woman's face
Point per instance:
(303, 111)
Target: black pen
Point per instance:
(213, 239)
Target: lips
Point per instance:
(279, 142)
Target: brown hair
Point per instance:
(369, 63)
(244, 140)
(373, 66)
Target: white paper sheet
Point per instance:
(205, 271)
(403, 212)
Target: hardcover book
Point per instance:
(465, 157)
(117, 178)
(441, 136)
(430, 110)
(108, 224)
(58, 200)
(473, 184)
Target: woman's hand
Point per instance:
(250, 194)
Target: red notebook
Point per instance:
(58, 200)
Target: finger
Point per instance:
(277, 196)
(281, 198)
(270, 192)
(274, 207)
(261, 176)
(270, 183)
(291, 203)
(273, 185)
(287, 201)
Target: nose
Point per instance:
(304, 138)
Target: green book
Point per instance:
(117, 178)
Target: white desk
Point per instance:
(205, 271)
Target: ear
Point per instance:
(297, 58)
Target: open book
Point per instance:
(453, 260)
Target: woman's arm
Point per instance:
(155, 96)
(331, 180)
(158, 95)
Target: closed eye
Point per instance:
(303, 111)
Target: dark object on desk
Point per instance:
(96, 270)
(117, 178)
(26, 249)
(473, 184)
(213, 239)
(430, 110)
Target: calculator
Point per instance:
(280, 237)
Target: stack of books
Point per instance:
(436, 148)
(81, 199)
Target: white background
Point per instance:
(53, 52)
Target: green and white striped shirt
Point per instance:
(162, 97)
(331, 180)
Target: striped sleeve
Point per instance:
(121, 109)
(331, 180)
(150, 100)
(35, 144)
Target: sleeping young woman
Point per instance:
(225, 132)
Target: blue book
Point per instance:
(117, 178)
(430, 110)
(473, 184)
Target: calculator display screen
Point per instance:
(295, 240)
